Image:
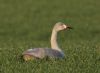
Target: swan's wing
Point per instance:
(36, 52)
(41, 53)
(54, 53)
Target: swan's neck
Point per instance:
(54, 44)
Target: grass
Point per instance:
(28, 23)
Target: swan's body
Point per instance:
(53, 52)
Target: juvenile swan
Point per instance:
(53, 52)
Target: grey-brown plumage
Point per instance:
(53, 52)
(42, 52)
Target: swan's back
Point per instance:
(42, 52)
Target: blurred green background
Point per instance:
(28, 23)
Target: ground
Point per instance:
(28, 23)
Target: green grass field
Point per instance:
(28, 23)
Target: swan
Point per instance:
(53, 52)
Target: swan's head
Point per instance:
(61, 26)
